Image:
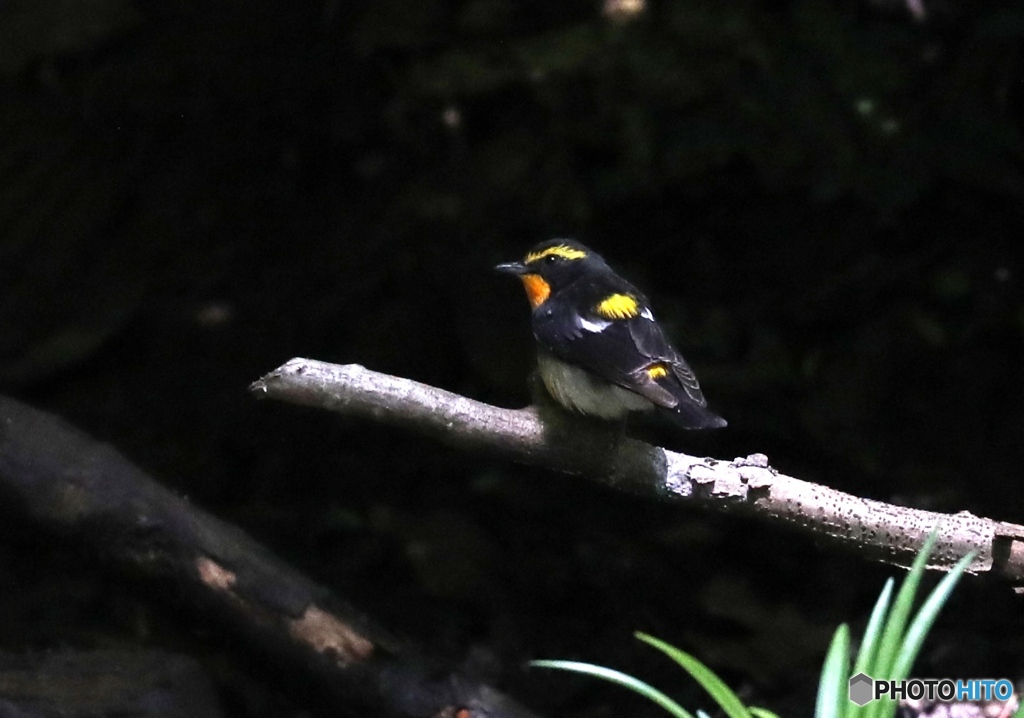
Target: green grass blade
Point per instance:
(762, 713)
(873, 631)
(723, 695)
(895, 628)
(835, 676)
(892, 633)
(925, 618)
(619, 678)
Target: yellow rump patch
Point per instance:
(618, 306)
(537, 290)
(559, 250)
(656, 371)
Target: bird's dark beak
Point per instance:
(511, 268)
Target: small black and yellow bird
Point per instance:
(600, 351)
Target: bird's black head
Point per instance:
(551, 265)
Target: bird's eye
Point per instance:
(551, 259)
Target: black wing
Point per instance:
(651, 343)
(690, 410)
(632, 352)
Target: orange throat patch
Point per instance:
(537, 290)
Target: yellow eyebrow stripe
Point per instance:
(618, 306)
(559, 250)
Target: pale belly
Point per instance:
(581, 391)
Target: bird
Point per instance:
(600, 351)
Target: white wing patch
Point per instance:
(592, 326)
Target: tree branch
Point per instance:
(69, 484)
(745, 486)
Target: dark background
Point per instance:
(824, 200)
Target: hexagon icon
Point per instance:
(861, 689)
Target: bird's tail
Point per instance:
(693, 416)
